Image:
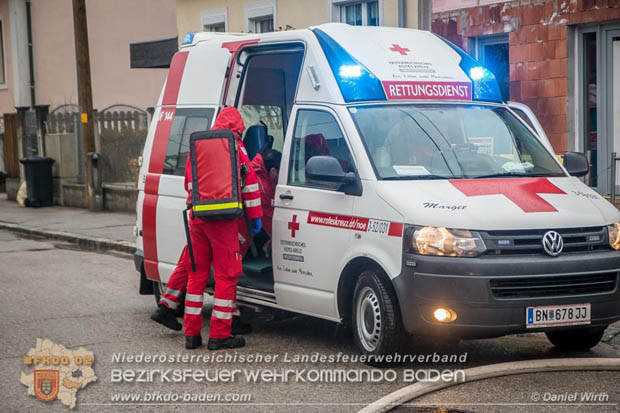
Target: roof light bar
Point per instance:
(356, 82)
(485, 87)
(188, 38)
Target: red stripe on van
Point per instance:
(160, 140)
(175, 74)
(396, 229)
(151, 192)
(149, 229)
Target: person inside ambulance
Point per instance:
(266, 165)
(214, 242)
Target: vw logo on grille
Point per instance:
(552, 243)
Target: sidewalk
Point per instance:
(92, 230)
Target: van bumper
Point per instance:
(465, 286)
(138, 259)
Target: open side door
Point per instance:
(190, 101)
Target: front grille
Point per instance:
(553, 286)
(514, 242)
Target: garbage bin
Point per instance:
(39, 180)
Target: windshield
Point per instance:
(450, 142)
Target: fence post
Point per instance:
(97, 132)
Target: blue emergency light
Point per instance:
(485, 87)
(188, 38)
(356, 82)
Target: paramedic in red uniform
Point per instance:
(214, 243)
(266, 165)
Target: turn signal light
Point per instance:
(444, 315)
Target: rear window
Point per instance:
(186, 122)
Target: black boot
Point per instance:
(224, 343)
(192, 342)
(166, 317)
(239, 327)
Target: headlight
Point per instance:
(447, 242)
(614, 235)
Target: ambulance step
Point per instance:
(257, 266)
(264, 283)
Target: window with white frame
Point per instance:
(260, 17)
(214, 21)
(357, 13)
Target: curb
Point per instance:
(416, 390)
(83, 241)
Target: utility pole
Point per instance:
(85, 93)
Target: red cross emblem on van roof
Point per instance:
(402, 50)
(522, 191)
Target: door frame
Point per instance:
(609, 33)
(604, 114)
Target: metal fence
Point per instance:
(120, 133)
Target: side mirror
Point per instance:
(576, 163)
(328, 169)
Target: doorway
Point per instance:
(599, 108)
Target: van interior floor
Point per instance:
(257, 275)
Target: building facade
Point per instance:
(560, 57)
(112, 25)
(269, 15)
(38, 77)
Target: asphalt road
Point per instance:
(77, 298)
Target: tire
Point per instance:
(376, 320)
(580, 339)
(158, 290)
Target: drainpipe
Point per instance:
(401, 14)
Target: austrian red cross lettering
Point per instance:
(402, 50)
(293, 226)
(524, 192)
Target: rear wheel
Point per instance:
(377, 325)
(581, 339)
(158, 289)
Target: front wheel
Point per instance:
(376, 317)
(580, 339)
(158, 290)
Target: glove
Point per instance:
(257, 225)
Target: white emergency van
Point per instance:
(411, 200)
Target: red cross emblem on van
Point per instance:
(523, 192)
(293, 226)
(402, 50)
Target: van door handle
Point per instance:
(286, 196)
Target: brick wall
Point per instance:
(538, 48)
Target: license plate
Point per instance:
(557, 315)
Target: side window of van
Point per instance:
(316, 134)
(186, 122)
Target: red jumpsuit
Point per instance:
(214, 243)
(267, 193)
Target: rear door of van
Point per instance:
(189, 103)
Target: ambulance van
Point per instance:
(412, 201)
